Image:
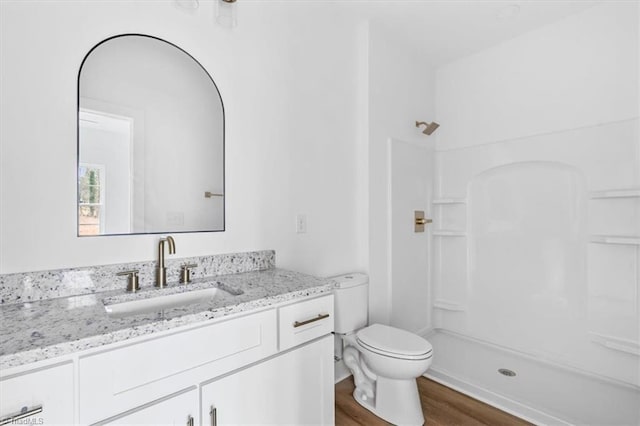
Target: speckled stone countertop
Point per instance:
(44, 329)
(42, 285)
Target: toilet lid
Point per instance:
(394, 342)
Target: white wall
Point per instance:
(401, 91)
(580, 71)
(530, 129)
(289, 89)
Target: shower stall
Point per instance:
(535, 270)
(534, 251)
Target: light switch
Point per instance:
(301, 223)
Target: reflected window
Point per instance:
(91, 206)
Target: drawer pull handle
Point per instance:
(23, 414)
(190, 420)
(309, 321)
(214, 416)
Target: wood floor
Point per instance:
(440, 405)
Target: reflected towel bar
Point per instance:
(209, 194)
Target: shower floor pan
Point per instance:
(540, 392)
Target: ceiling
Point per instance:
(444, 31)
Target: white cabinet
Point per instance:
(294, 388)
(177, 410)
(269, 367)
(304, 321)
(121, 379)
(49, 388)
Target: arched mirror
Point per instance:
(150, 141)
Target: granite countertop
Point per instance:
(44, 329)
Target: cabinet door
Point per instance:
(295, 388)
(179, 410)
(50, 389)
(117, 380)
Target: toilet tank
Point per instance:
(351, 301)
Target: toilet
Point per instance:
(385, 361)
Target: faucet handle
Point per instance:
(132, 280)
(185, 272)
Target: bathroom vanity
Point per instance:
(261, 352)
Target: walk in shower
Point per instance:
(535, 248)
(536, 270)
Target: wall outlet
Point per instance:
(301, 223)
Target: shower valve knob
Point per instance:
(420, 221)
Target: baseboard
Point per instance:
(507, 405)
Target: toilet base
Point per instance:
(396, 401)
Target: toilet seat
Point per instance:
(393, 342)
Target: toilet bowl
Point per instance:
(385, 361)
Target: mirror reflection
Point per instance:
(150, 141)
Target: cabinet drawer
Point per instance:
(50, 388)
(304, 321)
(175, 410)
(121, 379)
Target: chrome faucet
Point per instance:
(161, 271)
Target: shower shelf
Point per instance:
(616, 343)
(448, 233)
(615, 193)
(615, 239)
(448, 305)
(449, 201)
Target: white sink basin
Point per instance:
(158, 303)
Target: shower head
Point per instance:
(430, 127)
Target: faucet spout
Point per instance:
(161, 270)
(172, 245)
